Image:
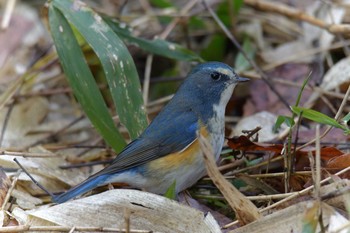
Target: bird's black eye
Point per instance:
(215, 76)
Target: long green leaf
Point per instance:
(81, 79)
(157, 46)
(117, 63)
(317, 116)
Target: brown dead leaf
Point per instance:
(339, 162)
(243, 143)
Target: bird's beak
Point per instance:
(241, 79)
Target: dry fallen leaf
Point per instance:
(24, 118)
(4, 185)
(336, 76)
(245, 210)
(147, 212)
(289, 219)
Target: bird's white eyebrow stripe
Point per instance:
(224, 71)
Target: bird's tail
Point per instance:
(81, 188)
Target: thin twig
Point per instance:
(175, 21)
(254, 75)
(27, 154)
(291, 12)
(6, 121)
(32, 178)
(252, 198)
(9, 192)
(147, 78)
(318, 164)
(58, 132)
(294, 195)
(10, 6)
(304, 191)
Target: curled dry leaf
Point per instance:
(146, 212)
(337, 75)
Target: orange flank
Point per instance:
(187, 156)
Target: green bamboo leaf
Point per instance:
(156, 46)
(117, 63)
(82, 80)
(317, 117)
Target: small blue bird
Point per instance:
(168, 150)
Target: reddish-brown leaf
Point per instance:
(243, 143)
(339, 162)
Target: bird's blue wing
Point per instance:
(168, 133)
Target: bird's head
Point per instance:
(212, 82)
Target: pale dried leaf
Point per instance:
(338, 201)
(5, 184)
(329, 13)
(287, 220)
(245, 210)
(265, 120)
(337, 75)
(25, 200)
(147, 211)
(2, 218)
(25, 117)
(20, 215)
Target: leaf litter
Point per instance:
(254, 170)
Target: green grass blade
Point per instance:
(317, 117)
(81, 79)
(117, 63)
(156, 46)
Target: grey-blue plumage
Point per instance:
(168, 149)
